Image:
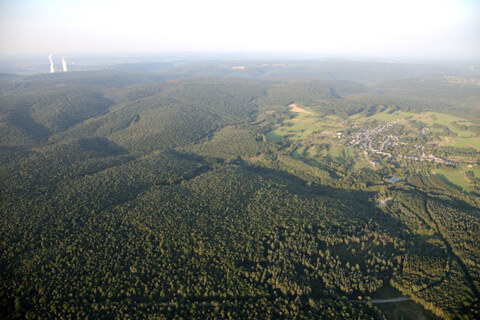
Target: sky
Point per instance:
(355, 28)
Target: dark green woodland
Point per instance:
(199, 192)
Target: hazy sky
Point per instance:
(423, 28)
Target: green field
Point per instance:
(335, 152)
(385, 116)
(274, 136)
(465, 138)
(445, 120)
(304, 125)
(473, 142)
(475, 170)
(297, 153)
(455, 177)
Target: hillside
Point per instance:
(201, 192)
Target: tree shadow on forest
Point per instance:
(361, 201)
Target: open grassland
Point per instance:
(335, 152)
(274, 136)
(475, 170)
(464, 139)
(384, 116)
(473, 142)
(445, 120)
(455, 177)
(304, 126)
(297, 153)
(362, 164)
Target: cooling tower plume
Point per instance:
(52, 70)
(64, 64)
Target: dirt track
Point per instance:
(374, 301)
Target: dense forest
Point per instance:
(128, 194)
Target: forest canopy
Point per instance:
(259, 192)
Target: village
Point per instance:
(376, 141)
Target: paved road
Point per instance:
(374, 301)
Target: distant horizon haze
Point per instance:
(438, 30)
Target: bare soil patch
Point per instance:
(296, 108)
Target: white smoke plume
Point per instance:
(64, 64)
(52, 70)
